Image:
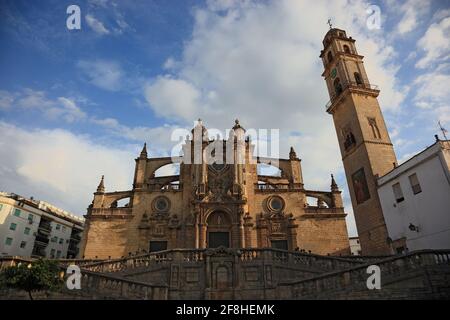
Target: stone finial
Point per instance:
(144, 152)
(101, 185)
(436, 137)
(237, 125)
(334, 186)
(292, 154)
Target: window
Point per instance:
(52, 253)
(415, 185)
(30, 217)
(63, 228)
(17, 212)
(61, 241)
(58, 226)
(337, 86)
(279, 244)
(373, 125)
(23, 244)
(27, 230)
(13, 226)
(8, 241)
(58, 254)
(398, 192)
(358, 78)
(158, 246)
(54, 239)
(346, 49)
(330, 57)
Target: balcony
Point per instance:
(42, 239)
(352, 85)
(75, 237)
(45, 227)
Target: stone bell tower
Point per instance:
(365, 145)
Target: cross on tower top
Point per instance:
(329, 23)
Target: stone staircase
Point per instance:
(421, 274)
(256, 274)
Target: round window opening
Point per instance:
(161, 204)
(275, 204)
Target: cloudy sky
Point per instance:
(76, 104)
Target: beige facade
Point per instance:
(365, 145)
(213, 205)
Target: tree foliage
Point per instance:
(39, 275)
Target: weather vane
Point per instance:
(444, 131)
(329, 23)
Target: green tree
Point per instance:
(39, 275)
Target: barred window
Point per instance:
(415, 185)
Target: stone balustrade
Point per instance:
(96, 285)
(293, 258)
(391, 268)
(105, 286)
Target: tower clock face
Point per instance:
(333, 73)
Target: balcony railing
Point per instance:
(75, 237)
(42, 239)
(46, 227)
(351, 84)
(277, 187)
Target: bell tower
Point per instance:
(365, 145)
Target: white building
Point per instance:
(36, 228)
(355, 246)
(415, 197)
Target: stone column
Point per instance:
(202, 235)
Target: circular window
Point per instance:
(161, 204)
(275, 204)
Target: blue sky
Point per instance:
(76, 104)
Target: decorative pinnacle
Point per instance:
(144, 151)
(292, 154)
(101, 185)
(334, 186)
(237, 125)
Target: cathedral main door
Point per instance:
(218, 230)
(218, 239)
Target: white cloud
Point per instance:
(411, 11)
(96, 25)
(173, 98)
(60, 167)
(435, 43)
(432, 94)
(69, 111)
(158, 139)
(6, 99)
(104, 74)
(32, 100)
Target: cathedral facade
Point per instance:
(208, 204)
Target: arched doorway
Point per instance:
(218, 230)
